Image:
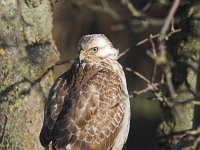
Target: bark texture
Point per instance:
(179, 118)
(27, 52)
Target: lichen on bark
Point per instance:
(186, 61)
(27, 51)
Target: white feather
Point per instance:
(107, 52)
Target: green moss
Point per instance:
(40, 23)
(2, 51)
(191, 45)
(184, 77)
(22, 102)
(33, 3)
(161, 59)
(195, 23)
(25, 69)
(191, 78)
(15, 106)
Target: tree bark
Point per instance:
(179, 118)
(27, 52)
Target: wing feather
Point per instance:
(94, 113)
(54, 105)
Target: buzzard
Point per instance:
(88, 106)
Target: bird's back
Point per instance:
(93, 113)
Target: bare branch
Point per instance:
(134, 93)
(62, 62)
(162, 48)
(131, 8)
(138, 74)
(168, 76)
(105, 8)
(123, 53)
(154, 73)
(147, 39)
(169, 18)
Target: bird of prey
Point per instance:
(88, 106)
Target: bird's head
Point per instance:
(94, 47)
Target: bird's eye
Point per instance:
(94, 49)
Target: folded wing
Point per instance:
(91, 118)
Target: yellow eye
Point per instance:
(94, 49)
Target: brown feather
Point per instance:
(92, 119)
(86, 107)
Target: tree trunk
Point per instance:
(179, 118)
(27, 53)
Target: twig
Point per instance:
(196, 102)
(134, 93)
(11, 87)
(194, 132)
(109, 10)
(173, 30)
(153, 54)
(138, 74)
(123, 53)
(196, 143)
(147, 6)
(154, 73)
(169, 18)
(168, 76)
(181, 102)
(158, 60)
(64, 62)
(147, 39)
(105, 8)
(132, 9)
(162, 48)
(150, 85)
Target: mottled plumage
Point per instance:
(88, 106)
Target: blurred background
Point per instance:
(125, 25)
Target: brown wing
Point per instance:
(93, 114)
(54, 105)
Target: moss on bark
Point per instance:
(179, 119)
(27, 51)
